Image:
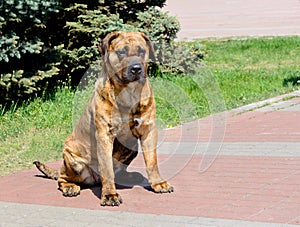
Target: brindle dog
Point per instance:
(120, 112)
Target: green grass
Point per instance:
(36, 130)
(237, 72)
(254, 69)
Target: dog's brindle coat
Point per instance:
(120, 112)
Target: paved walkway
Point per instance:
(251, 178)
(203, 18)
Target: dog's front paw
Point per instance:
(111, 200)
(162, 187)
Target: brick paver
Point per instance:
(260, 188)
(223, 18)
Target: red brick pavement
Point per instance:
(281, 126)
(254, 188)
(250, 188)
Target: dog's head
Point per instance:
(125, 56)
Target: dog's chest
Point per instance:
(124, 121)
(128, 113)
(126, 109)
(129, 98)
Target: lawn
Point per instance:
(254, 69)
(234, 73)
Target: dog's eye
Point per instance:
(142, 52)
(121, 53)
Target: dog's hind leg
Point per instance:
(68, 176)
(123, 155)
(74, 171)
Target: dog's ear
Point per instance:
(105, 43)
(150, 46)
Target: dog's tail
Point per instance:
(49, 172)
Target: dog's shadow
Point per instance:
(124, 180)
(42, 176)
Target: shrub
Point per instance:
(27, 54)
(46, 42)
(91, 26)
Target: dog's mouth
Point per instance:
(133, 73)
(126, 80)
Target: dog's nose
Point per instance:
(136, 69)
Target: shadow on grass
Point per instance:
(294, 81)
